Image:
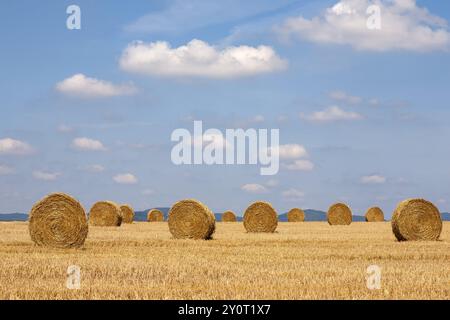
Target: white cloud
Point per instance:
(199, 59)
(86, 144)
(404, 26)
(344, 97)
(373, 179)
(14, 147)
(46, 176)
(148, 192)
(332, 114)
(374, 102)
(258, 119)
(65, 128)
(81, 86)
(181, 16)
(254, 188)
(126, 178)
(6, 170)
(293, 194)
(289, 151)
(272, 183)
(300, 165)
(282, 118)
(94, 168)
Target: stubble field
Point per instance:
(310, 260)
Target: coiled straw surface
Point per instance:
(127, 213)
(191, 219)
(374, 214)
(260, 217)
(296, 215)
(416, 219)
(105, 214)
(58, 221)
(155, 215)
(339, 214)
(229, 216)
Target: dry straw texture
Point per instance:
(59, 221)
(339, 214)
(229, 216)
(105, 214)
(296, 215)
(144, 262)
(155, 215)
(191, 219)
(374, 214)
(416, 219)
(127, 213)
(260, 217)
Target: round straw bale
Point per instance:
(260, 216)
(105, 214)
(229, 216)
(127, 213)
(191, 219)
(58, 221)
(374, 214)
(339, 214)
(416, 219)
(296, 215)
(155, 215)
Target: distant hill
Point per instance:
(13, 217)
(310, 215)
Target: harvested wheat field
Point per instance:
(310, 260)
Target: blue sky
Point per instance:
(363, 114)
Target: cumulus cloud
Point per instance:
(258, 119)
(94, 168)
(86, 144)
(272, 183)
(148, 192)
(293, 194)
(332, 114)
(82, 86)
(254, 188)
(300, 165)
(125, 178)
(45, 176)
(403, 26)
(14, 147)
(5, 170)
(374, 102)
(289, 151)
(199, 59)
(344, 97)
(63, 128)
(373, 179)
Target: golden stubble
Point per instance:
(310, 260)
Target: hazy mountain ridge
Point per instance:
(310, 215)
